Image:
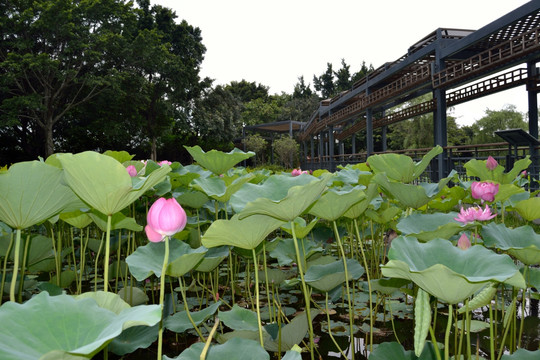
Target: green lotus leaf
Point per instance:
(292, 333)
(103, 183)
(447, 272)
(239, 318)
(478, 168)
(191, 198)
(276, 276)
(334, 203)
(133, 295)
(301, 229)
(401, 167)
(448, 198)
(412, 196)
(76, 218)
(216, 161)
(384, 215)
(221, 189)
(45, 326)
(133, 338)
(326, 277)
(395, 351)
(522, 354)
(506, 191)
(213, 258)
(32, 192)
(533, 277)
(118, 221)
(247, 233)
(430, 226)
(297, 201)
(120, 156)
(234, 349)
(148, 259)
(274, 188)
(180, 322)
(360, 207)
(522, 242)
(349, 176)
(106, 300)
(529, 209)
(285, 252)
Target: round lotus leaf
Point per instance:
(447, 272)
(234, 349)
(61, 325)
(217, 161)
(522, 242)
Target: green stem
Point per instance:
(447, 334)
(330, 328)
(307, 296)
(15, 265)
(162, 296)
(4, 269)
(209, 340)
(256, 270)
(23, 267)
(371, 319)
(491, 334)
(270, 303)
(351, 312)
(186, 308)
(107, 254)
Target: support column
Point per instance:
(321, 149)
(533, 116)
(353, 143)
(439, 121)
(331, 149)
(384, 145)
(369, 132)
(312, 145)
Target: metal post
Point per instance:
(532, 71)
(369, 132)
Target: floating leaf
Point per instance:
(180, 322)
(234, 349)
(239, 318)
(522, 354)
(133, 338)
(292, 333)
(394, 351)
(447, 272)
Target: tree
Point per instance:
(258, 145)
(247, 91)
(343, 77)
(324, 83)
(54, 57)
(287, 150)
(506, 118)
(301, 90)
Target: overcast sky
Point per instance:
(275, 42)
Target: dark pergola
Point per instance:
(454, 65)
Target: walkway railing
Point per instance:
(455, 158)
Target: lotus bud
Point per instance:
(491, 163)
(485, 191)
(132, 171)
(165, 218)
(464, 243)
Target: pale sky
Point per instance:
(275, 42)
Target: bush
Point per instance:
(286, 150)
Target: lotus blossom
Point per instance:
(491, 163)
(464, 243)
(132, 171)
(164, 162)
(165, 218)
(485, 191)
(474, 213)
(299, 171)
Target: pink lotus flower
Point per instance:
(164, 162)
(491, 163)
(132, 171)
(297, 172)
(464, 243)
(474, 213)
(484, 190)
(165, 218)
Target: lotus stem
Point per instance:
(270, 303)
(447, 333)
(10, 246)
(491, 334)
(369, 287)
(330, 328)
(468, 320)
(15, 265)
(209, 340)
(521, 325)
(23, 267)
(351, 312)
(162, 296)
(307, 296)
(256, 270)
(186, 308)
(107, 254)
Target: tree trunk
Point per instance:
(49, 143)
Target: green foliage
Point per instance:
(506, 118)
(258, 145)
(287, 150)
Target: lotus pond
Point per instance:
(107, 257)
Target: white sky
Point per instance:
(275, 42)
